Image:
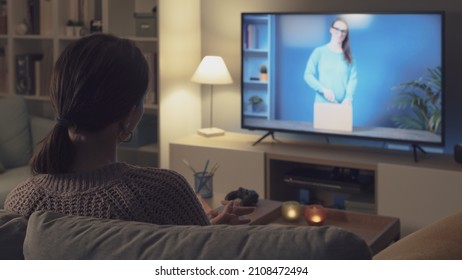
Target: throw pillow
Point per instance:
(15, 139)
(12, 233)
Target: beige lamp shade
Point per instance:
(212, 70)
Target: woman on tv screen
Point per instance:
(330, 70)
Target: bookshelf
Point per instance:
(257, 42)
(31, 27)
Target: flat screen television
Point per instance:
(378, 76)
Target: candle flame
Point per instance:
(291, 213)
(316, 218)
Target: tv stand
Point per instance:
(400, 184)
(416, 147)
(264, 136)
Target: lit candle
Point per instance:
(291, 210)
(315, 214)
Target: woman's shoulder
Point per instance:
(26, 185)
(157, 181)
(22, 191)
(154, 175)
(324, 49)
(319, 51)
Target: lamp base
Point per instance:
(211, 131)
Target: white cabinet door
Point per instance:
(418, 196)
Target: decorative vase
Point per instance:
(263, 77)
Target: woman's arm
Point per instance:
(311, 72)
(351, 84)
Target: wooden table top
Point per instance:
(378, 231)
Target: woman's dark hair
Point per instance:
(95, 82)
(346, 42)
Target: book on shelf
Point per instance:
(3, 18)
(38, 77)
(34, 16)
(250, 37)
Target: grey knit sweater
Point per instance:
(116, 191)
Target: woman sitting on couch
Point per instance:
(97, 90)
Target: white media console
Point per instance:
(416, 192)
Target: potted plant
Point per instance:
(256, 102)
(263, 73)
(423, 97)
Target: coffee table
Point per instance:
(378, 231)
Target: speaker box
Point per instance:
(458, 153)
(25, 73)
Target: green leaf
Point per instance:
(423, 97)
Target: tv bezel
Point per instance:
(352, 136)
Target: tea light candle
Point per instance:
(291, 211)
(315, 214)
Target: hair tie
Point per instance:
(64, 122)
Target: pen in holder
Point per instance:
(203, 184)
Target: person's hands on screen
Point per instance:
(346, 102)
(329, 95)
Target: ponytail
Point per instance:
(56, 153)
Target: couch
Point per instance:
(20, 134)
(441, 240)
(47, 235)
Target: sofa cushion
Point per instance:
(57, 236)
(15, 139)
(12, 233)
(10, 179)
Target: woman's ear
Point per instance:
(124, 124)
(133, 117)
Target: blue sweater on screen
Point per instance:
(328, 69)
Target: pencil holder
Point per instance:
(203, 184)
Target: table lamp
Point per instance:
(212, 71)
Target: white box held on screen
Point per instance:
(332, 116)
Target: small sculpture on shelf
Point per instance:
(263, 73)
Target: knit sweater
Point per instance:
(328, 69)
(116, 191)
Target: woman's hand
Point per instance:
(231, 214)
(346, 102)
(329, 95)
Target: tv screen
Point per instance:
(370, 75)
